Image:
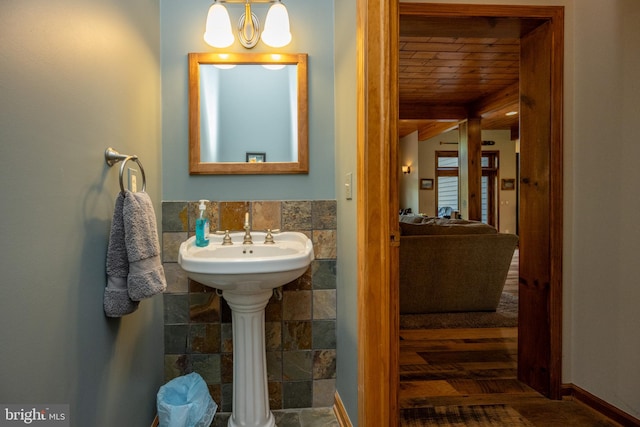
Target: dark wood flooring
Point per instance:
(460, 367)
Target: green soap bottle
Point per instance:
(202, 227)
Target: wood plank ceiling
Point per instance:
(451, 69)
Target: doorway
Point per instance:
(540, 211)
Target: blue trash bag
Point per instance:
(185, 402)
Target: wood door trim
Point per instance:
(556, 22)
(377, 41)
(444, 10)
(377, 166)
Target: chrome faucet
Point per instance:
(247, 228)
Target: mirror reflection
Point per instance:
(247, 113)
(270, 106)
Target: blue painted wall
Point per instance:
(75, 78)
(182, 26)
(346, 162)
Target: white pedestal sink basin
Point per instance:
(247, 275)
(247, 267)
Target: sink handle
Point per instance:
(268, 239)
(226, 240)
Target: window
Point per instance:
(447, 180)
(447, 183)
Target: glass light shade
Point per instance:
(274, 66)
(276, 26)
(218, 30)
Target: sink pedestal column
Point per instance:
(250, 392)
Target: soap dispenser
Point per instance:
(202, 226)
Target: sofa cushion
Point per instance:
(439, 226)
(411, 219)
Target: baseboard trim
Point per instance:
(597, 404)
(341, 412)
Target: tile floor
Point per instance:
(311, 417)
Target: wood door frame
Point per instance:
(377, 200)
(377, 203)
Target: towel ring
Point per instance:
(112, 157)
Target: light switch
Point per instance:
(133, 179)
(348, 186)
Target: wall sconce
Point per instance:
(406, 169)
(276, 31)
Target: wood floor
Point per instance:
(462, 367)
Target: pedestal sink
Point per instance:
(247, 275)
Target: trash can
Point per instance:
(185, 402)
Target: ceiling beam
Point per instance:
(418, 111)
(477, 27)
(495, 101)
(433, 129)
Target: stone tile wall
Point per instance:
(300, 328)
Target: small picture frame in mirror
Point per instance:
(256, 157)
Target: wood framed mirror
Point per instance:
(246, 103)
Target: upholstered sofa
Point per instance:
(449, 265)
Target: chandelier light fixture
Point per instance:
(276, 33)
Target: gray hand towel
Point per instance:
(146, 275)
(116, 296)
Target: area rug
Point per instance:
(463, 416)
(506, 316)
